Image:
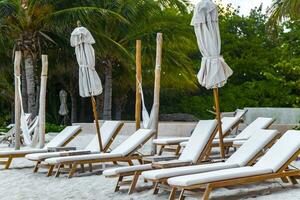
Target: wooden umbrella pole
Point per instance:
(138, 59)
(159, 43)
(17, 70)
(97, 122)
(218, 116)
(42, 107)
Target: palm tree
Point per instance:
(143, 20)
(281, 9)
(32, 23)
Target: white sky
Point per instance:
(245, 5)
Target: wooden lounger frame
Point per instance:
(106, 148)
(163, 181)
(168, 147)
(227, 145)
(136, 174)
(283, 173)
(22, 155)
(74, 164)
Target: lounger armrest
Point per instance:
(56, 149)
(170, 164)
(76, 153)
(152, 159)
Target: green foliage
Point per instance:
(54, 128)
(266, 66)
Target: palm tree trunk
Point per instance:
(24, 89)
(30, 83)
(108, 91)
(73, 107)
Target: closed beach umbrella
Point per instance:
(63, 109)
(89, 81)
(214, 71)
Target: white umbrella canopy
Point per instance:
(89, 81)
(214, 71)
(63, 109)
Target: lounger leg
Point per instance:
(134, 182)
(115, 162)
(73, 170)
(82, 168)
(36, 168)
(50, 170)
(173, 194)
(181, 196)
(90, 167)
(177, 150)
(130, 163)
(293, 180)
(207, 192)
(8, 162)
(58, 170)
(285, 179)
(161, 150)
(156, 188)
(140, 161)
(117, 188)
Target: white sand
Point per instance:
(20, 183)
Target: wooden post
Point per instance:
(17, 63)
(97, 122)
(42, 106)
(159, 43)
(138, 61)
(218, 116)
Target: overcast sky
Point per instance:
(245, 5)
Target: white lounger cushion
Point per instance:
(271, 162)
(63, 136)
(259, 123)
(239, 159)
(227, 124)
(198, 140)
(219, 175)
(281, 151)
(124, 149)
(119, 170)
(60, 139)
(180, 171)
(170, 140)
(107, 130)
(133, 141)
(97, 156)
(252, 146)
(42, 156)
(22, 151)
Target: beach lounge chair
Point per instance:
(259, 123)
(228, 125)
(246, 155)
(108, 130)
(274, 164)
(197, 150)
(125, 152)
(60, 140)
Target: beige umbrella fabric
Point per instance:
(89, 81)
(214, 71)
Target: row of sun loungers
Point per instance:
(262, 154)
